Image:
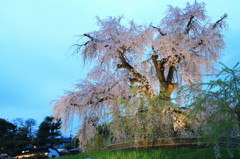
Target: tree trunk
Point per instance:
(166, 93)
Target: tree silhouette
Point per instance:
(48, 130)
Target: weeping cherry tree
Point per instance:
(154, 58)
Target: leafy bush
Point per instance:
(216, 105)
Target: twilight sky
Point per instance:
(36, 62)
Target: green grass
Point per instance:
(162, 153)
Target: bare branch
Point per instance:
(219, 21)
(195, 47)
(189, 25)
(133, 80)
(119, 66)
(89, 36)
(159, 30)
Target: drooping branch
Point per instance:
(95, 97)
(73, 103)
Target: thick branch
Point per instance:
(133, 80)
(166, 83)
(173, 63)
(170, 74)
(146, 88)
(159, 69)
(189, 25)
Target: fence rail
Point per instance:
(168, 142)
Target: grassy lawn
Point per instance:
(163, 153)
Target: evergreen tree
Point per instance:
(7, 133)
(48, 130)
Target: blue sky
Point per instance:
(36, 62)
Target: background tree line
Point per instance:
(18, 134)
